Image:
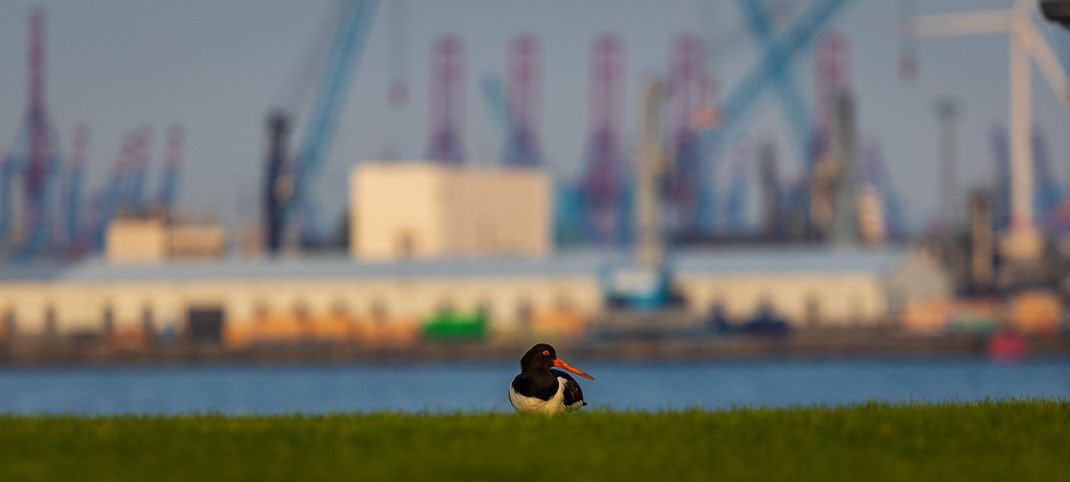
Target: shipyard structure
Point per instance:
(436, 252)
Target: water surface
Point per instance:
(239, 389)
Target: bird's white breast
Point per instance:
(526, 404)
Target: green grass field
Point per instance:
(1013, 440)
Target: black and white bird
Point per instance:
(541, 389)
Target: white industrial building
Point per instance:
(806, 285)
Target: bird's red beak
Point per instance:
(560, 363)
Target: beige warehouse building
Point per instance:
(807, 286)
(430, 210)
(425, 237)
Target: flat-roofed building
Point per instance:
(820, 286)
(428, 210)
(152, 239)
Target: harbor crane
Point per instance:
(288, 184)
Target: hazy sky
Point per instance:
(216, 67)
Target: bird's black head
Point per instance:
(539, 357)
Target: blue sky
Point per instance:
(216, 67)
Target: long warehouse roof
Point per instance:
(580, 263)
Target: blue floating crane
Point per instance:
(761, 27)
(775, 63)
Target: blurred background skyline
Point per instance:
(764, 180)
(216, 69)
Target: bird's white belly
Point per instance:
(525, 404)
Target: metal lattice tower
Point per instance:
(689, 178)
(603, 187)
(35, 157)
(524, 95)
(37, 166)
(831, 78)
(447, 100)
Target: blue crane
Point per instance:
(759, 20)
(339, 67)
(775, 63)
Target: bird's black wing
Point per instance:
(543, 388)
(573, 393)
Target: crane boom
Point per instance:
(794, 106)
(337, 75)
(776, 59)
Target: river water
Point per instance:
(237, 389)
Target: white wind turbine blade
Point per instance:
(1046, 60)
(1024, 7)
(992, 21)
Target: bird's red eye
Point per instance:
(546, 353)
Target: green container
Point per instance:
(971, 323)
(451, 325)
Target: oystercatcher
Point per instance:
(540, 389)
